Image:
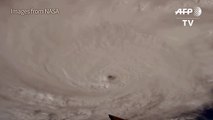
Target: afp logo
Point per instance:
(196, 12)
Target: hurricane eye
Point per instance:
(111, 77)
